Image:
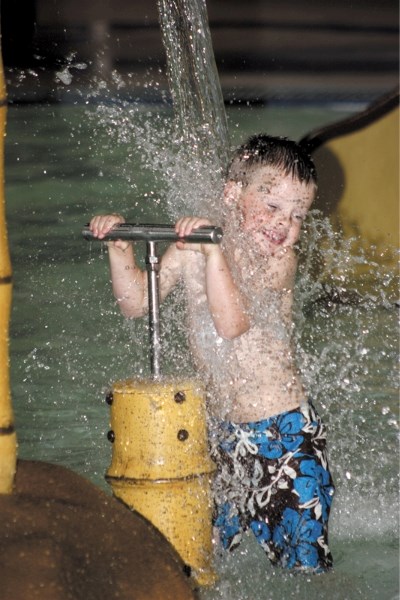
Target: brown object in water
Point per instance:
(61, 538)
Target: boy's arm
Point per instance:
(281, 269)
(225, 302)
(129, 282)
(224, 299)
(281, 273)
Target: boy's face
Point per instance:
(273, 207)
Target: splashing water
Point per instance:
(65, 75)
(346, 339)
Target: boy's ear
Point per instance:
(232, 192)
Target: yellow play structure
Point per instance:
(357, 162)
(160, 464)
(8, 438)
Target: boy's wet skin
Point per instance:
(257, 376)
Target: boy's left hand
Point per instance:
(185, 226)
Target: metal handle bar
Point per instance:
(156, 233)
(151, 234)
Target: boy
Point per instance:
(268, 442)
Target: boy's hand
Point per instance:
(185, 226)
(102, 224)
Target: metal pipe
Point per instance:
(153, 268)
(156, 233)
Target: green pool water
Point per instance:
(69, 344)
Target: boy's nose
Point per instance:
(283, 219)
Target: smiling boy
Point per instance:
(267, 440)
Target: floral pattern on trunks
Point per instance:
(273, 478)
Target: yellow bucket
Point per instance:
(160, 464)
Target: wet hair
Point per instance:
(265, 150)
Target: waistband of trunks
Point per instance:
(306, 409)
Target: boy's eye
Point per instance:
(299, 217)
(272, 206)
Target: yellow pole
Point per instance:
(161, 467)
(8, 438)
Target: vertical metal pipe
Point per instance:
(153, 268)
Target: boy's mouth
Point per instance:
(275, 237)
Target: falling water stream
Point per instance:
(193, 79)
(69, 343)
(200, 131)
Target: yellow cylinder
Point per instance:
(161, 467)
(8, 439)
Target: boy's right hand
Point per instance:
(102, 224)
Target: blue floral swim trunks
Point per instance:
(273, 478)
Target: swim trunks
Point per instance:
(273, 478)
